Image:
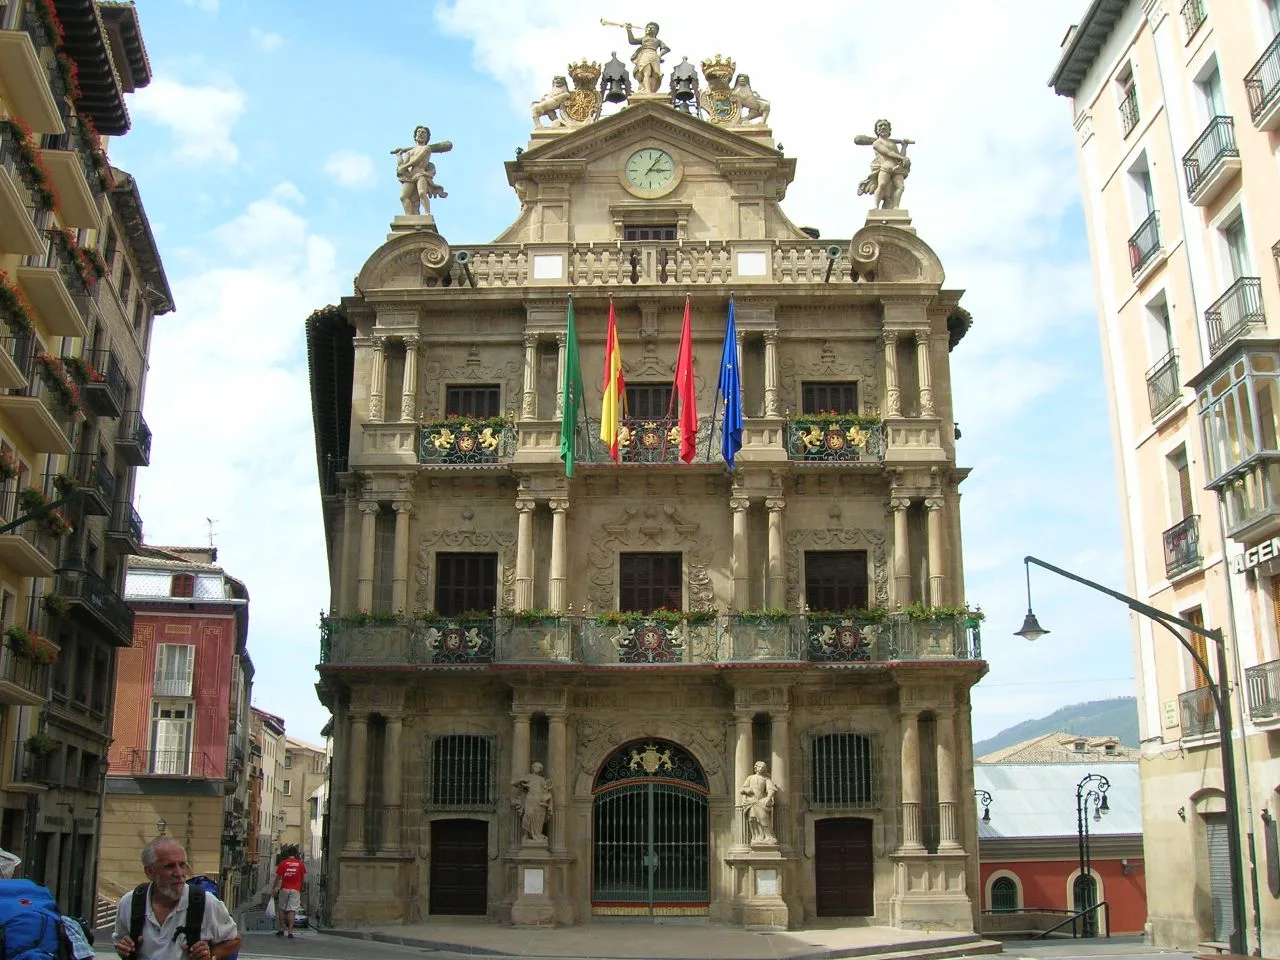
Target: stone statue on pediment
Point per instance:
(889, 166)
(416, 172)
(648, 59)
(551, 104)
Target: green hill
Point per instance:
(1116, 717)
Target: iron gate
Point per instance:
(650, 834)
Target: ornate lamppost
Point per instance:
(984, 796)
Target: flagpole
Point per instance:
(715, 405)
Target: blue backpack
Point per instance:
(30, 923)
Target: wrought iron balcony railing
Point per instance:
(1199, 717)
(30, 766)
(172, 763)
(1210, 149)
(106, 391)
(656, 639)
(1129, 111)
(133, 438)
(841, 441)
(1192, 16)
(1262, 82)
(85, 588)
(24, 672)
(1233, 313)
(1145, 243)
(647, 440)
(455, 442)
(1182, 546)
(126, 522)
(1163, 388)
(1263, 684)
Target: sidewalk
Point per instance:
(673, 939)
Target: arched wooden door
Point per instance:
(650, 836)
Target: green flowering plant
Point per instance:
(632, 618)
(14, 306)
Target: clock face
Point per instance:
(650, 169)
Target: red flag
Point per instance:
(686, 391)
(614, 388)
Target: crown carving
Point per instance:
(718, 68)
(585, 73)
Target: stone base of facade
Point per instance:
(541, 886)
(759, 888)
(929, 891)
(411, 223)
(373, 889)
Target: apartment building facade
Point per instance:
(646, 633)
(177, 763)
(81, 281)
(269, 735)
(1176, 107)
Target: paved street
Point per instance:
(1123, 948)
(312, 946)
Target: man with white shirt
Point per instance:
(159, 930)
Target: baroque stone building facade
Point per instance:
(549, 692)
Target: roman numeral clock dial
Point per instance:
(650, 171)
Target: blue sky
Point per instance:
(262, 152)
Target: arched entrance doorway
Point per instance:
(649, 832)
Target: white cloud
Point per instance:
(208, 6)
(350, 168)
(265, 40)
(199, 117)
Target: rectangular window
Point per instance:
(175, 666)
(466, 581)
(1127, 92)
(1161, 328)
(829, 397)
(478, 400)
(835, 579)
(1209, 86)
(286, 787)
(171, 724)
(126, 284)
(648, 401)
(842, 771)
(1199, 645)
(288, 761)
(1237, 249)
(462, 772)
(182, 585)
(1273, 15)
(384, 559)
(650, 581)
(654, 232)
(313, 808)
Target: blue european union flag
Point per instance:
(731, 387)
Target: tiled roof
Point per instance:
(1039, 799)
(1063, 747)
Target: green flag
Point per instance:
(571, 391)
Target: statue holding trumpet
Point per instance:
(648, 59)
(889, 166)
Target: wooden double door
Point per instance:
(459, 867)
(844, 867)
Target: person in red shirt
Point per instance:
(291, 874)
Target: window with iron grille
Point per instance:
(654, 232)
(649, 581)
(831, 397)
(842, 771)
(473, 400)
(462, 771)
(835, 579)
(648, 401)
(1004, 895)
(466, 581)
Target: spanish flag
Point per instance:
(614, 404)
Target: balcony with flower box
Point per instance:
(42, 412)
(1182, 547)
(835, 438)
(89, 474)
(1212, 162)
(124, 529)
(32, 768)
(1262, 87)
(133, 439)
(94, 601)
(23, 76)
(26, 658)
(16, 348)
(1262, 684)
(101, 380)
(646, 440)
(55, 283)
(466, 442)
(28, 550)
(24, 209)
(66, 157)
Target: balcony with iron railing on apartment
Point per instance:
(133, 439)
(31, 768)
(1262, 87)
(1163, 386)
(1145, 249)
(1182, 547)
(124, 528)
(1129, 111)
(103, 387)
(95, 602)
(1234, 314)
(1192, 16)
(33, 91)
(26, 209)
(1212, 162)
(1262, 683)
(140, 762)
(79, 170)
(31, 548)
(26, 658)
(60, 283)
(1198, 715)
(89, 477)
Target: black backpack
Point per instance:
(191, 924)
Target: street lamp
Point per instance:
(1086, 795)
(160, 826)
(1219, 691)
(985, 797)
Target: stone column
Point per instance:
(348, 560)
(529, 400)
(776, 572)
(948, 801)
(520, 745)
(892, 397)
(771, 373)
(391, 788)
(357, 777)
(926, 375)
(409, 389)
(910, 762)
(400, 569)
(556, 596)
(741, 770)
(558, 759)
(561, 339)
(377, 379)
(739, 561)
(937, 573)
(524, 554)
(780, 762)
(901, 551)
(368, 526)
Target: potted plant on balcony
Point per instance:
(18, 639)
(533, 616)
(82, 371)
(764, 615)
(40, 745)
(14, 307)
(8, 464)
(30, 164)
(97, 154)
(936, 613)
(34, 504)
(42, 650)
(59, 381)
(55, 604)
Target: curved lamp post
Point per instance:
(1086, 795)
(985, 797)
(1031, 630)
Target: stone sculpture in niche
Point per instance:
(889, 166)
(533, 803)
(758, 792)
(416, 172)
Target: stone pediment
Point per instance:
(412, 260)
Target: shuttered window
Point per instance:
(474, 400)
(1198, 644)
(835, 579)
(1218, 854)
(171, 737)
(648, 401)
(829, 397)
(175, 667)
(650, 581)
(1184, 491)
(182, 585)
(466, 582)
